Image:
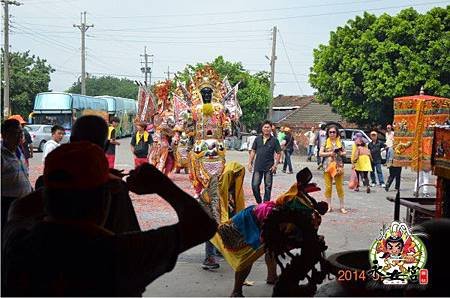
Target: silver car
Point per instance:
(41, 133)
(347, 137)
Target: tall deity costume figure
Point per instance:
(161, 154)
(203, 110)
(207, 157)
(184, 130)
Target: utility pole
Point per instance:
(272, 70)
(83, 28)
(146, 69)
(6, 105)
(168, 73)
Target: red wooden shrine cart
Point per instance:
(420, 131)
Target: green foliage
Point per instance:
(373, 59)
(29, 75)
(253, 93)
(107, 85)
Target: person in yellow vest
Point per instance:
(140, 144)
(111, 148)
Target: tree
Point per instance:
(253, 93)
(373, 59)
(29, 75)
(107, 85)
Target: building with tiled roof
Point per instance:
(303, 112)
(300, 113)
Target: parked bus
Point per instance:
(125, 110)
(64, 108)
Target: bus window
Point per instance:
(53, 101)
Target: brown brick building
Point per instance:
(300, 113)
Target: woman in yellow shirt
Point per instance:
(333, 152)
(361, 160)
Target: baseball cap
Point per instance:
(78, 166)
(18, 118)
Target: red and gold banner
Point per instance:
(414, 121)
(146, 105)
(441, 152)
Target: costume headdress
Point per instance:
(206, 77)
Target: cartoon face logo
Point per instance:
(394, 246)
(397, 255)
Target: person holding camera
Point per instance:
(333, 151)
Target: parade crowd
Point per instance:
(72, 222)
(75, 232)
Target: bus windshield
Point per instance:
(53, 101)
(65, 120)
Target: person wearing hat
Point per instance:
(290, 142)
(140, 144)
(15, 181)
(27, 142)
(70, 253)
(361, 160)
(376, 146)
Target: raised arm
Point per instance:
(195, 225)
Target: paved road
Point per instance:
(354, 230)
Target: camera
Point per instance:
(337, 150)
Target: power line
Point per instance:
(60, 69)
(196, 35)
(178, 42)
(37, 33)
(272, 19)
(236, 11)
(290, 64)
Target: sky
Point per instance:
(180, 32)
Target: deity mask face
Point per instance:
(206, 93)
(394, 247)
